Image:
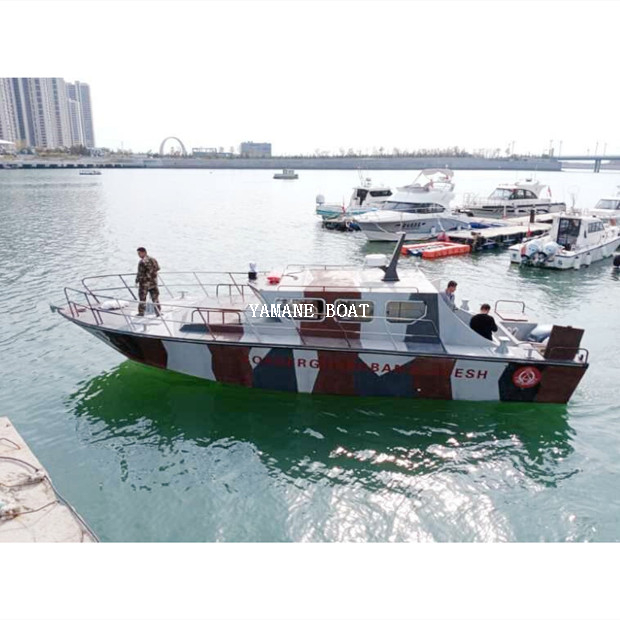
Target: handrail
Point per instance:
(336, 289)
(585, 353)
(508, 301)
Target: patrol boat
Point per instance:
(392, 334)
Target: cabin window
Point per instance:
(529, 195)
(415, 207)
(608, 204)
(354, 311)
(595, 226)
(298, 309)
(361, 195)
(377, 193)
(405, 311)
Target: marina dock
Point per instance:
(31, 510)
(481, 238)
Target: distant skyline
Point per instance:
(319, 76)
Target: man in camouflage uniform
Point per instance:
(146, 279)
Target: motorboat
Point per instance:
(421, 210)
(90, 172)
(608, 208)
(574, 240)
(513, 200)
(365, 197)
(287, 173)
(368, 330)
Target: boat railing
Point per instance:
(520, 316)
(578, 354)
(345, 289)
(113, 283)
(218, 322)
(294, 268)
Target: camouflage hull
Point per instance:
(353, 373)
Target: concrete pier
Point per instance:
(30, 508)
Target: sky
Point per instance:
(330, 76)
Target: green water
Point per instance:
(146, 455)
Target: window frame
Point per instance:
(404, 320)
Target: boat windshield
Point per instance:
(609, 204)
(501, 193)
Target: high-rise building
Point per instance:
(80, 93)
(46, 112)
(8, 125)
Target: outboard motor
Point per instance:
(531, 248)
(551, 248)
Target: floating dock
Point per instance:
(497, 236)
(31, 510)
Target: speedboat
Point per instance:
(346, 330)
(287, 173)
(513, 200)
(421, 210)
(90, 172)
(573, 241)
(365, 197)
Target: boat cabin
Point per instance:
(574, 231)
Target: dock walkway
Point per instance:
(498, 235)
(31, 510)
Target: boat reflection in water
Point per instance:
(322, 467)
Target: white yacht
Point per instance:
(513, 200)
(421, 210)
(286, 174)
(365, 197)
(608, 208)
(573, 241)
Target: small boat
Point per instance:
(436, 249)
(421, 210)
(287, 173)
(573, 241)
(345, 330)
(365, 197)
(513, 200)
(90, 172)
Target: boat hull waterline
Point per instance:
(350, 372)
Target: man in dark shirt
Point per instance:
(484, 324)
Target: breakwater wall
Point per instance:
(297, 163)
